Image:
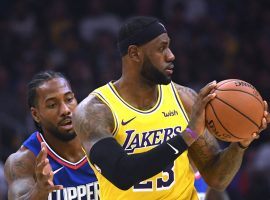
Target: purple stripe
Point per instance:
(176, 97)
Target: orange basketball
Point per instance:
(236, 112)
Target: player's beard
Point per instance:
(67, 136)
(152, 74)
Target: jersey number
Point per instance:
(162, 183)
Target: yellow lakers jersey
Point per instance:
(139, 131)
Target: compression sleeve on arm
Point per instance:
(125, 170)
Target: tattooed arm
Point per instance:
(218, 167)
(93, 123)
(29, 177)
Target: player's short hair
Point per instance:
(37, 80)
(138, 30)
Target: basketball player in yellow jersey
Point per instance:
(139, 129)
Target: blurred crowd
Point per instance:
(210, 39)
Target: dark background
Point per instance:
(212, 40)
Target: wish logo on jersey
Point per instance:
(136, 140)
(89, 191)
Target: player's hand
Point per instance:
(265, 121)
(44, 173)
(197, 118)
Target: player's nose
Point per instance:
(170, 56)
(64, 109)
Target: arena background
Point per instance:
(210, 39)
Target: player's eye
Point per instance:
(70, 99)
(162, 49)
(51, 105)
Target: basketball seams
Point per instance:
(241, 100)
(238, 111)
(227, 81)
(222, 124)
(235, 90)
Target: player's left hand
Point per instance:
(44, 173)
(265, 121)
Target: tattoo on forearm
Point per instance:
(222, 165)
(205, 147)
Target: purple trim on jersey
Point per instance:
(180, 106)
(137, 110)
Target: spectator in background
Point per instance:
(259, 174)
(97, 20)
(22, 21)
(82, 76)
(10, 122)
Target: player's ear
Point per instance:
(134, 53)
(35, 114)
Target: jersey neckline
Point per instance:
(157, 104)
(55, 156)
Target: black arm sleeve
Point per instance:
(125, 170)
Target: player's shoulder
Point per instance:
(92, 104)
(19, 164)
(21, 155)
(93, 117)
(186, 94)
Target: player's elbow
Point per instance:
(122, 185)
(120, 176)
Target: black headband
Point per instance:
(143, 36)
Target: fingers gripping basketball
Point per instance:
(236, 112)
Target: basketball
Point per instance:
(236, 112)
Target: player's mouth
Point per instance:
(169, 70)
(66, 123)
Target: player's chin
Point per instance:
(67, 136)
(166, 80)
(168, 74)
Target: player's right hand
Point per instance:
(44, 173)
(197, 118)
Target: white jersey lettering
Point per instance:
(89, 191)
